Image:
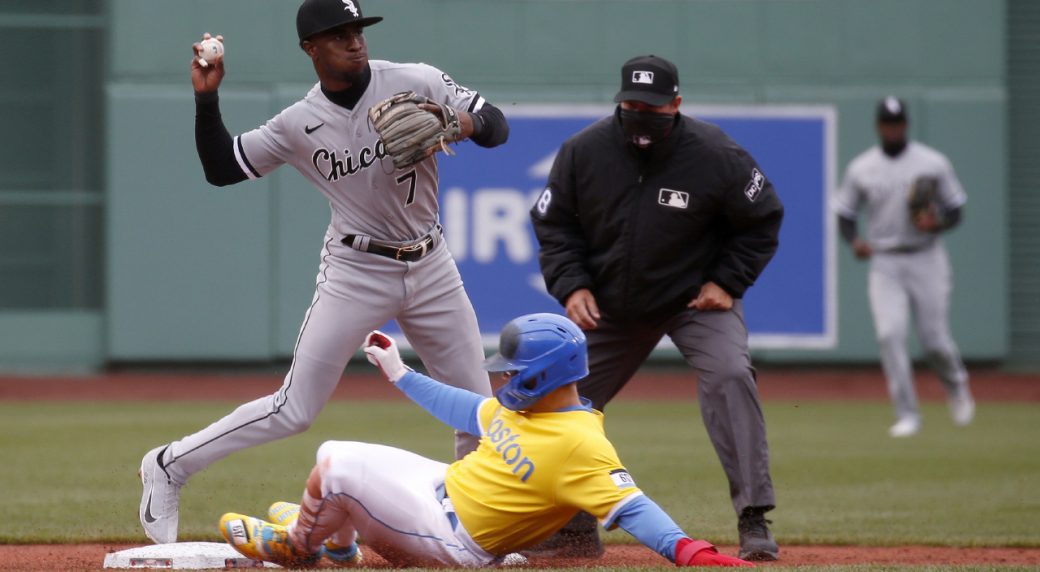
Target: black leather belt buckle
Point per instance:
(415, 251)
(409, 253)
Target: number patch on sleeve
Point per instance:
(543, 201)
(622, 479)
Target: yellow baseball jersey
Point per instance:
(531, 474)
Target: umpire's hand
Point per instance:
(582, 309)
(711, 297)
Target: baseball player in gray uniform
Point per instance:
(383, 255)
(909, 269)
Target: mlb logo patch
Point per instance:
(674, 199)
(643, 77)
(755, 185)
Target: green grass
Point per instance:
(68, 470)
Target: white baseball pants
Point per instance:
(356, 292)
(394, 501)
(915, 283)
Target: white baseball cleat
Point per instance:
(905, 427)
(160, 500)
(962, 409)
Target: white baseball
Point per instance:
(210, 51)
(514, 559)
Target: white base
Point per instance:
(183, 555)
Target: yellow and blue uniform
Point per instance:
(532, 472)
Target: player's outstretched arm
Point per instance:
(453, 406)
(212, 140)
(649, 524)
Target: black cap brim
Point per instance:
(647, 97)
(369, 21)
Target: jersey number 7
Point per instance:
(410, 177)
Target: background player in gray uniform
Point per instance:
(654, 224)
(383, 256)
(909, 269)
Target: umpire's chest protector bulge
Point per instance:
(655, 225)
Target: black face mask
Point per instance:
(893, 148)
(644, 128)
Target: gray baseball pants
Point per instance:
(918, 283)
(715, 345)
(356, 292)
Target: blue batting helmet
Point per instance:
(544, 352)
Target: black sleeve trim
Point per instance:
(494, 129)
(214, 144)
(242, 153)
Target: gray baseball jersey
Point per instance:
(882, 184)
(338, 151)
(357, 291)
(909, 270)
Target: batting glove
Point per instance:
(381, 350)
(700, 553)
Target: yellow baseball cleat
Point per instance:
(261, 540)
(286, 513)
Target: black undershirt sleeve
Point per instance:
(214, 143)
(951, 218)
(847, 227)
(490, 128)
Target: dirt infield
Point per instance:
(860, 384)
(671, 384)
(84, 557)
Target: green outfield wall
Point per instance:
(114, 248)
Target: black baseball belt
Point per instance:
(907, 249)
(406, 253)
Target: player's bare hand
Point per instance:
(711, 297)
(862, 249)
(582, 309)
(381, 351)
(206, 79)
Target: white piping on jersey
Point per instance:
(242, 164)
(609, 519)
(478, 104)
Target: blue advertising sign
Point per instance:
(486, 195)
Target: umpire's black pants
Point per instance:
(715, 345)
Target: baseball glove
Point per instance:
(924, 199)
(410, 133)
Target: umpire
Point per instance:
(656, 223)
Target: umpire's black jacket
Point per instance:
(643, 230)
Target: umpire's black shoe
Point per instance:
(756, 542)
(578, 538)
